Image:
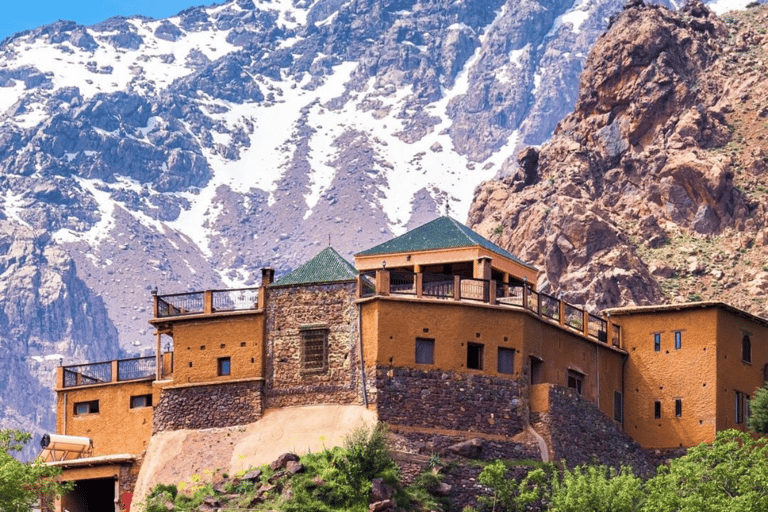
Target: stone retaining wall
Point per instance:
(208, 406)
(578, 432)
(448, 400)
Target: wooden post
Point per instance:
(115, 373)
(586, 322)
(561, 315)
(158, 356)
(382, 282)
(419, 284)
(456, 288)
(207, 302)
(491, 292)
(525, 295)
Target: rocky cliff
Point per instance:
(654, 188)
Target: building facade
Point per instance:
(437, 331)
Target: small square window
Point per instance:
(425, 351)
(141, 401)
(657, 409)
(678, 407)
(657, 342)
(576, 381)
(506, 360)
(224, 366)
(91, 407)
(475, 356)
(678, 340)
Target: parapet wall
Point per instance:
(208, 406)
(436, 399)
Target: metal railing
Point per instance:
(440, 286)
(176, 304)
(550, 306)
(513, 297)
(87, 374)
(573, 317)
(136, 368)
(236, 299)
(597, 328)
(402, 282)
(474, 289)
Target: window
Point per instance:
(618, 406)
(678, 407)
(657, 342)
(314, 349)
(475, 356)
(746, 349)
(141, 401)
(576, 381)
(505, 361)
(657, 409)
(224, 366)
(91, 407)
(678, 340)
(425, 351)
(742, 407)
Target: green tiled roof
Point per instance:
(326, 267)
(441, 233)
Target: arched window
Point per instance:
(746, 349)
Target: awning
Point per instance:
(59, 447)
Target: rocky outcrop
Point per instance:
(649, 172)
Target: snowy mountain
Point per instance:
(187, 153)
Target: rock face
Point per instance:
(650, 190)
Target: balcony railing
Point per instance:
(205, 302)
(119, 370)
(448, 287)
(87, 374)
(137, 368)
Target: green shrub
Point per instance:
(596, 489)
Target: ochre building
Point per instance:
(439, 331)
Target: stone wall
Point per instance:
(208, 406)
(449, 400)
(578, 432)
(290, 308)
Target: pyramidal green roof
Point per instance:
(327, 267)
(441, 233)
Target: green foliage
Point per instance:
(758, 411)
(508, 494)
(730, 475)
(21, 484)
(596, 489)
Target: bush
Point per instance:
(596, 489)
(758, 417)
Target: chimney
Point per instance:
(267, 276)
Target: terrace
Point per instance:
(427, 286)
(206, 302)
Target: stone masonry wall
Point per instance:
(448, 400)
(288, 309)
(578, 432)
(208, 406)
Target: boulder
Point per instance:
(282, 461)
(470, 448)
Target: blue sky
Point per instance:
(18, 15)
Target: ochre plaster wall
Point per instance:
(329, 306)
(239, 337)
(116, 428)
(688, 374)
(734, 374)
(561, 350)
(397, 322)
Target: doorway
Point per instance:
(537, 370)
(93, 495)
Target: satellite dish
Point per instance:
(45, 441)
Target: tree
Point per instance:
(730, 475)
(758, 411)
(21, 484)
